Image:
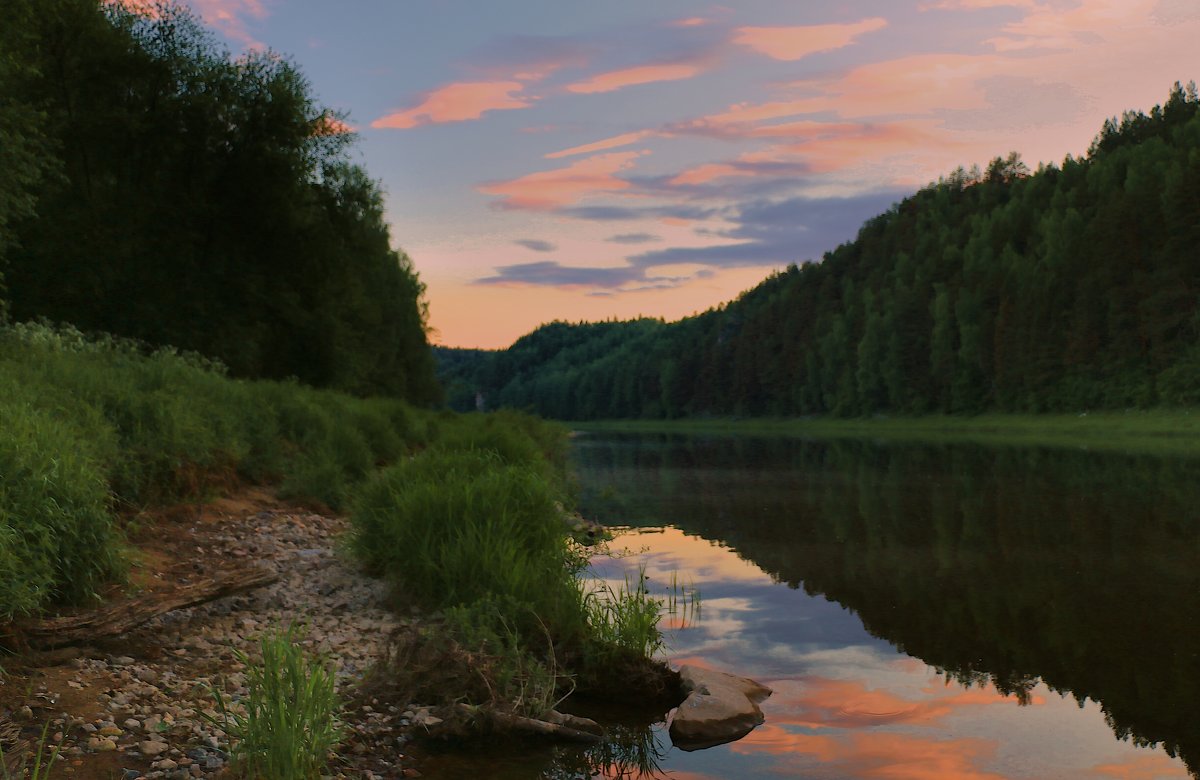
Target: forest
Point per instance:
(157, 188)
(1069, 288)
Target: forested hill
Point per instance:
(156, 188)
(1071, 288)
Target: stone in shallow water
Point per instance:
(719, 708)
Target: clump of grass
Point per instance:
(456, 527)
(682, 603)
(623, 621)
(481, 533)
(287, 726)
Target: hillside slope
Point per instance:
(1073, 287)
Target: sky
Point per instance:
(558, 160)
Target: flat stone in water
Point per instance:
(719, 708)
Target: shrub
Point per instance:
(458, 527)
(56, 536)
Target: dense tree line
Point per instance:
(157, 188)
(1068, 288)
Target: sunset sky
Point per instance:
(578, 161)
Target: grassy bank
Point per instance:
(1167, 432)
(93, 430)
(465, 513)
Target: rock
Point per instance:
(152, 748)
(423, 718)
(166, 765)
(719, 708)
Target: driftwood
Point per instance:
(525, 725)
(13, 764)
(115, 619)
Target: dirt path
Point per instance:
(129, 707)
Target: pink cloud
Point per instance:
(702, 174)
(972, 5)
(850, 704)
(229, 16)
(548, 190)
(1049, 27)
(614, 142)
(871, 142)
(691, 21)
(794, 43)
(885, 756)
(853, 717)
(457, 102)
(919, 84)
(816, 147)
(628, 77)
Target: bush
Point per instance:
(86, 422)
(57, 542)
(461, 526)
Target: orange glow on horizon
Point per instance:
(481, 316)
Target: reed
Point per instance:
(287, 727)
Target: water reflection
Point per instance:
(921, 612)
(1013, 571)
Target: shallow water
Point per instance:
(920, 611)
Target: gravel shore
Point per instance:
(133, 707)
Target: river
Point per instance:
(941, 611)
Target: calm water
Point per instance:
(921, 612)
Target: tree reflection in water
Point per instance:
(1001, 566)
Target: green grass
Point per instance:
(465, 512)
(57, 540)
(1166, 432)
(624, 619)
(475, 526)
(287, 726)
(92, 426)
(458, 526)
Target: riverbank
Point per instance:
(1166, 432)
(464, 517)
(134, 705)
